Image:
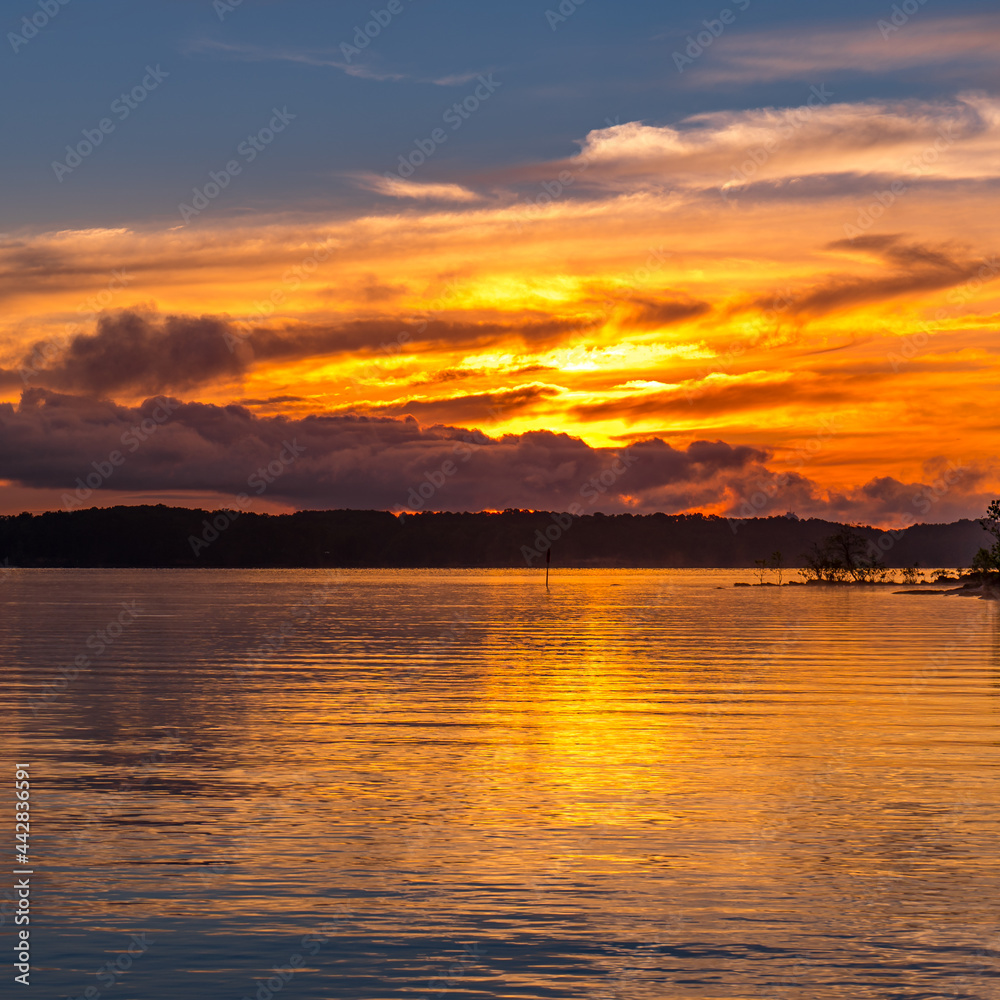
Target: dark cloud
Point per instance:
(386, 339)
(135, 352)
(892, 249)
(271, 400)
(473, 408)
(950, 491)
(448, 375)
(712, 399)
(50, 440)
(652, 314)
(376, 291)
(140, 352)
(460, 374)
(24, 264)
(171, 449)
(915, 269)
(858, 187)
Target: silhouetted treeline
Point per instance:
(175, 537)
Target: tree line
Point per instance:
(161, 536)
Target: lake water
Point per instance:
(454, 784)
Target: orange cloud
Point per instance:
(647, 303)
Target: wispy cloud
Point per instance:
(396, 187)
(256, 53)
(458, 79)
(922, 42)
(323, 59)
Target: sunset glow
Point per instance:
(815, 281)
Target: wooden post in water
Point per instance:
(548, 560)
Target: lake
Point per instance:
(456, 784)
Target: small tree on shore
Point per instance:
(841, 557)
(778, 565)
(775, 563)
(987, 561)
(822, 565)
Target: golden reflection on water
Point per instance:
(643, 783)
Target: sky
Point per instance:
(415, 255)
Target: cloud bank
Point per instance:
(78, 444)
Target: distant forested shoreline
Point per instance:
(164, 537)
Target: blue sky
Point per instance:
(606, 62)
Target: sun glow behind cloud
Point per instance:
(673, 294)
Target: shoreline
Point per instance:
(970, 588)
